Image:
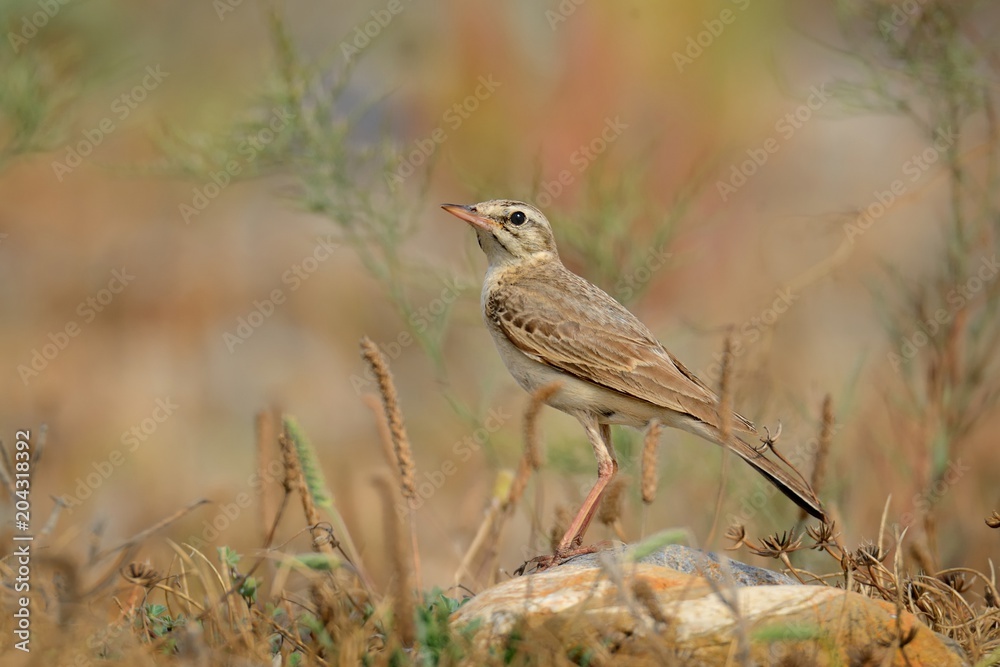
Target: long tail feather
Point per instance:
(795, 489)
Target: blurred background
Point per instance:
(204, 207)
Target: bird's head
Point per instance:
(509, 231)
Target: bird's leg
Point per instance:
(607, 466)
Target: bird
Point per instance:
(550, 325)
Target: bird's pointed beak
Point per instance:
(468, 213)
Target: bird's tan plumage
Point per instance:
(551, 325)
(595, 339)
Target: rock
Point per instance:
(612, 607)
(693, 561)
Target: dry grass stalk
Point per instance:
(822, 449)
(323, 593)
(400, 440)
(644, 593)
(400, 589)
(266, 433)
(649, 447)
(725, 420)
(725, 407)
(520, 482)
(501, 509)
(374, 404)
(610, 509)
(393, 415)
(296, 480)
(531, 458)
(559, 526)
(532, 450)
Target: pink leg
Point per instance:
(607, 466)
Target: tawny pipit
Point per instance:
(551, 325)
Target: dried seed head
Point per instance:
(869, 552)
(393, 415)
(775, 545)
(738, 534)
(991, 598)
(823, 535)
(140, 574)
(611, 502)
(956, 581)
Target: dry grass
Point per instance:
(321, 608)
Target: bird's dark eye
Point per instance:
(518, 218)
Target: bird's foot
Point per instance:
(562, 554)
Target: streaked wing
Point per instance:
(560, 319)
